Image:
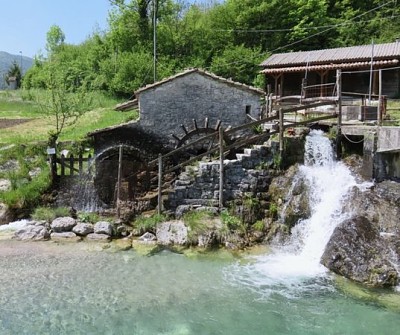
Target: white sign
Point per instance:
(51, 151)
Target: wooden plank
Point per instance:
(62, 165)
(71, 165)
(160, 173)
(221, 168)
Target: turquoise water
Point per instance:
(53, 289)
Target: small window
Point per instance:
(248, 109)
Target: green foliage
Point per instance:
(231, 221)
(259, 226)
(14, 72)
(228, 37)
(54, 39)
(227, 65)
(273, 210)
(49, 214)
(88, 217)
(148, 223)
(26, 190)
(197, 220)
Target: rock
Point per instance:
(103, 227)
(32, 233)
(208, 239)
(379, 204)
(5, 185)
(172, 233)
(290, 194)
(145, 248)
(181, 210)
(98, 237)
(146, 237)
(63, 224)
(6, 215)
(122, 244)
(65, 236)
(357, 251)
(82, 229)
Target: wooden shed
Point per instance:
(287, 73)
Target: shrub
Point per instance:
(43, 214)
(88, 217)
(49, 214)
(148, 224)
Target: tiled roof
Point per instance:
(205, 73)
(336, 55)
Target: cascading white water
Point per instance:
(298, 261)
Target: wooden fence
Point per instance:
(71, 165)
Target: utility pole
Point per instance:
(20, 62)
(154, 40)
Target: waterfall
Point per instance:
(298, 261)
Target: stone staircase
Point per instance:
(245, 176)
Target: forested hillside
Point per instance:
(229, 38)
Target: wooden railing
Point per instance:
(223, 148)
(71, 165)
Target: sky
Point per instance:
(25, 23)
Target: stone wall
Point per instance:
(246, 176)
(195, 95)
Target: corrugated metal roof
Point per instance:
(343, 66)
(336, 55)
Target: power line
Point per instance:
(349, 21)
(335, 26)
(304, 28)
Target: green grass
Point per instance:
(22, 104)
(393, 111)
(26, 190)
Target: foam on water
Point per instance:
(296, 265)
(16, 225)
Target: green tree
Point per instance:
(239, 63)
(14, 72)
(60, 102)
(55, 38)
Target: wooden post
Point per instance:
(160, 168)
(380, 102)
(62, 165)
(53, 167)
(80, 163)
(281, 129)
(339, 120)
(71, 165)
(89, 160)
(221, 168)
(119, 180)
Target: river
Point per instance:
(79, 288)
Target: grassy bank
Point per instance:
(21, 105)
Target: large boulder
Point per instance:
(172, 233)
(63, 224)
(6, 216)
(290, 194)
(357, 251)
(32, 233)
(83, 229)
(103, 227)
(98, 237)
(65, 236)
(380, 204)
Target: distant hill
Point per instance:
(6, 60)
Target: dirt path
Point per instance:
(7, 123)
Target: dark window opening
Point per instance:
(248, 109)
